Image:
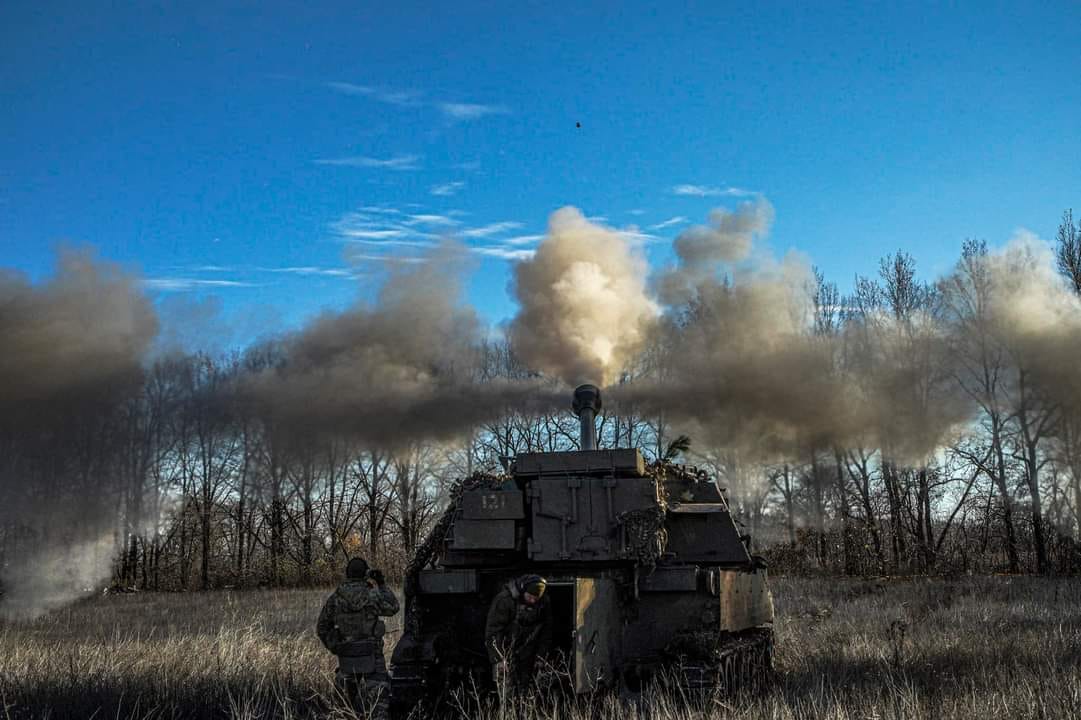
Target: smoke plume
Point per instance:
(1036, 317)
(87, 327)
(753, 358)
(73, 347)
(703, 250)
(406, 369)
(584, 308)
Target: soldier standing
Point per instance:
(350, 627)
(519, 628)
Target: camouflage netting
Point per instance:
(646, 535)
(428, 550)
(674, 479)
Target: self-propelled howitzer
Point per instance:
(648, 574)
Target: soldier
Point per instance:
(349, 627)
(519, 628)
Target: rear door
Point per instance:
(596, 638)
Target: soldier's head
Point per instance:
(532, 588)
(357, 569)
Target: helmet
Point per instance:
(532, 584)
(357, 569)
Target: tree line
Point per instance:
(184, 483)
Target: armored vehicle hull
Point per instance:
(648, 576)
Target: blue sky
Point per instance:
(244, 152)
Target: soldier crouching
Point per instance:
(350, 627)
(518, 631)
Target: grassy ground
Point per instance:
(935, 649)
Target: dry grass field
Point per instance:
(995, 647)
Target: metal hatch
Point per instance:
(596, 639)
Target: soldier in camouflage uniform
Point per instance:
(518, 630)
(350, 627)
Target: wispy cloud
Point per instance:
(403, 98)
(491, 229)
(382, 227)
(309, 270)
(380, 210)
(470, 166)
(679, 219)
(361, 258)
(431, 220)
(392, 243)
(361, 233)
(398, 162)
(504, 253)
(447, 189)
(707, 191)
(470, 111)
(414, 98)
(523, 240)
(638, 211)
(635, 236)
(180, 283)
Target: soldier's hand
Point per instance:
(377, 577)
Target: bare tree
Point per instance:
(1068, 252)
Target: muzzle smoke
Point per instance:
(584, 308)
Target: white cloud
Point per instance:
(668, 223)
(707, 191)
(362, 258)
(447, 188)
(633, 235)
(392, 243)
(504, 253)
(638, 211)
(471, 111)
(398, 162)
(363, 234)
(386, 226)
(404, 98)
(492, 229)
(431, 220)
(311, 270)
(178, 283)
(523, 240)
(597, 219)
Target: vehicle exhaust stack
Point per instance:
(587, 403)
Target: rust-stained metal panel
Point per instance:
(745, 600)
(597, 633)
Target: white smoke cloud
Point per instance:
(584, 307)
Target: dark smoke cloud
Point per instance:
(72, 353)
(85, 328)
(735, 364)
(405, 369)
(739, 363)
